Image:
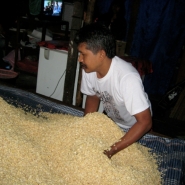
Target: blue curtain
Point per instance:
(159, 36)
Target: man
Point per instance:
(115, 82)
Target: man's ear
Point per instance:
(102, 53)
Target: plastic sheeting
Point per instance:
(21, 98)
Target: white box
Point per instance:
(51, 73)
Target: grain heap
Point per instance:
(56, 149)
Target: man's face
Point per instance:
(90, 62)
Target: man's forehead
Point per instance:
(82, 45)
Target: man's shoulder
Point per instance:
(123, 71)
(122, 65)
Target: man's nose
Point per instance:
(80, 58)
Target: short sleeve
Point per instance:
(136, 100)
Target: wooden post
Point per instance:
(76, 24)
(87, 20)
(90, 11)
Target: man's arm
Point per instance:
(91, 104)
(141, 127)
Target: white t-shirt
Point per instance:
(120, 90)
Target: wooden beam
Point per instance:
(88, 18)
(78, 13)
(90, 11)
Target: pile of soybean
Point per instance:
(58, 149)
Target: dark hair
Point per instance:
(97, 37)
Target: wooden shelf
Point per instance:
(35, 23)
